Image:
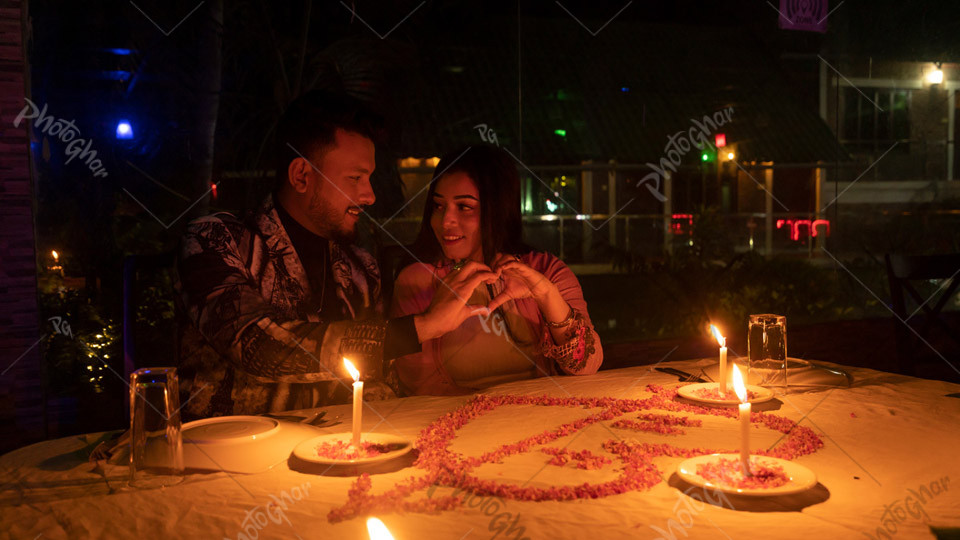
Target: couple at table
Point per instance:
(271, 302)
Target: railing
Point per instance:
(584, 238)
(594, 238)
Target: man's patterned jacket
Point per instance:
(250, 341)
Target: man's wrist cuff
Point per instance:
(401, 338)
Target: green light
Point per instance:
(560, 132)
(704, 157)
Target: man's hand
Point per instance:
(449, 307)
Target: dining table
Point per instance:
(888, 467)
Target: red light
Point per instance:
(681, 224)
(795, 224)
(720, 139)
(213, 189)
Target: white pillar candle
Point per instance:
(357, 401)
(723, 369)
(358, 411)
(745, 438)
(741, 391)
(722, 380)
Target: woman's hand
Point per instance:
(449, 307)
(522, 281)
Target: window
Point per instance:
(875, 118)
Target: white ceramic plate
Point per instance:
(241, 444)
(801, 478)
(689, 392)
(307, 450)
(230, 429)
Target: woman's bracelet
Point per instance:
(565, 321)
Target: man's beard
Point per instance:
(330, 221)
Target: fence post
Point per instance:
(612, 200)
(586, 207)
(626, 233)
(820, 178)
(668, 212)
(951, 130)
(768, 209)
(562, 258)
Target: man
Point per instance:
(271, 303)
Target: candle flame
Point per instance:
(719, 337)
(353, 371)
(377, 530)
(738, 385)
(56, 256)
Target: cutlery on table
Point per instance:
(684, 376)
(317, 419)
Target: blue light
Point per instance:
(624, 88)
(124, 130)
(115, 75)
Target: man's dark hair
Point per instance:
(501, 225)
(308, 127)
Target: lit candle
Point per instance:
(723, 358)
(56, 262)
(357, 401)
(741, 391)
(377, 530)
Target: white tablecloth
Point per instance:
(886, 435)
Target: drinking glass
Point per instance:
(767, 350)
(156, 444)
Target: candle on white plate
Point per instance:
(723, 358)
(741, 391)
(377, 530)
(357, 401)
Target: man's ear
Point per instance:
(298, 174)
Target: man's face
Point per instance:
(341, 187)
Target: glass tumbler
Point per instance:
(156, 444)
(767, 350)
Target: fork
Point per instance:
(324, 422)
(703, 375)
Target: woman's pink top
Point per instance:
(424, 372)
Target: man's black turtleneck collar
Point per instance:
(314, 253)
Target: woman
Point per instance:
(539, 325)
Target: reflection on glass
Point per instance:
(767, 350)
(156, 444)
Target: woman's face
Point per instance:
(456, 217)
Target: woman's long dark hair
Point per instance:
(495, 174)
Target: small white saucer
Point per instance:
(801, 478)
(307, 450)
(690, 392)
